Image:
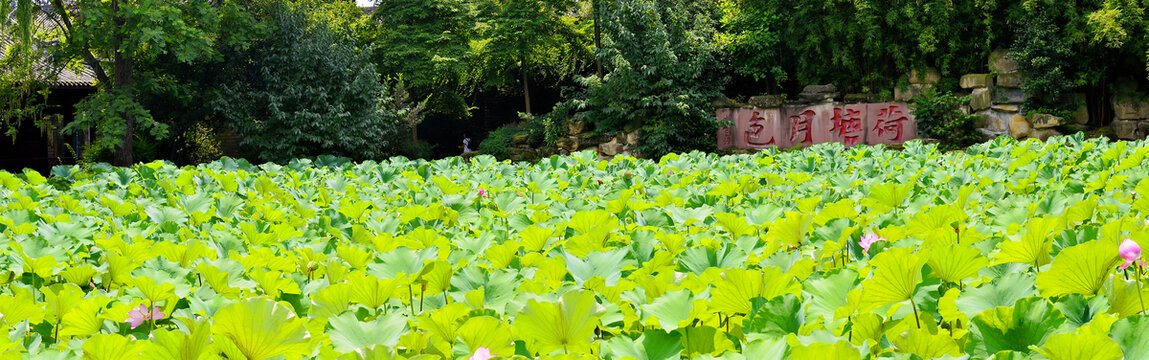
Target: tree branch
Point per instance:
(89, 59)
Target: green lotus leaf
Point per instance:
(896, 278)
(778, 316)
(177, 345)
(534, 238)
(443, 323)
(736, 225)
(1001, 291)
(567, 325)
(1132, 335)
(1080, 347)
(689, 216)
(596, 223)
(83, 319)
(217, 280)
(1126, 297)
(1028, 323)
(113, 347)
(929, 346)
(699, 259)
(828, 294)
(19, 307)
(335, 299)
(60, 299)
(734, 292)
(886, 196)
(261, 328)
(1080, 269)
(670, 309)
(606, 264)
(651, 345)
(349, 334)
(790, 230)
(437, 276)
(840, 350)
(955, 262)
(1034, 246)
(488, 332)
(704, 340)
(1079, 310)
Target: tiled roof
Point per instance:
(54, 75)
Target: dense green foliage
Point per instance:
(658, 66)
(303, 91)
(664, 73)
(939, 117)
(1005, 250)
(1048, 62)
(498, 142)
(869, 46)
(427, 43)
(525, 39)
(113, 38)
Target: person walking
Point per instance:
(466, 143)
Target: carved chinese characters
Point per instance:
(890, 123)
(753, 129)
(849, 124)
(807, 124)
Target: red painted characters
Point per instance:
(849, 124)
(890, 123)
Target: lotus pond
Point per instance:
(1008, 250)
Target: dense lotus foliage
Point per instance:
(1008, 250)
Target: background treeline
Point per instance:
(300, 78)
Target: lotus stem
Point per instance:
(850, 334)
(915, 306)
(1139, 296)
(151, 316)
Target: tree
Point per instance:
(752, 40)
(427, 43)
(22, 73)
(305, 91)
(111, 37)
(532, 37)
(663, 73)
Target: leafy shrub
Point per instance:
(663, 58)
(201, 144)
(752, 40)
(307, 92)
(1045, 57)
(939, 118)
(498, 142)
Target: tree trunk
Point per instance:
(124, 80)
(597, 37)
(526, 85)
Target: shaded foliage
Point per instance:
(306, 92)
(664, 71)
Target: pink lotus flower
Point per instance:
(138, 315)
(482, 192)
(482, 353)
(869, 239)
(1131, 252)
